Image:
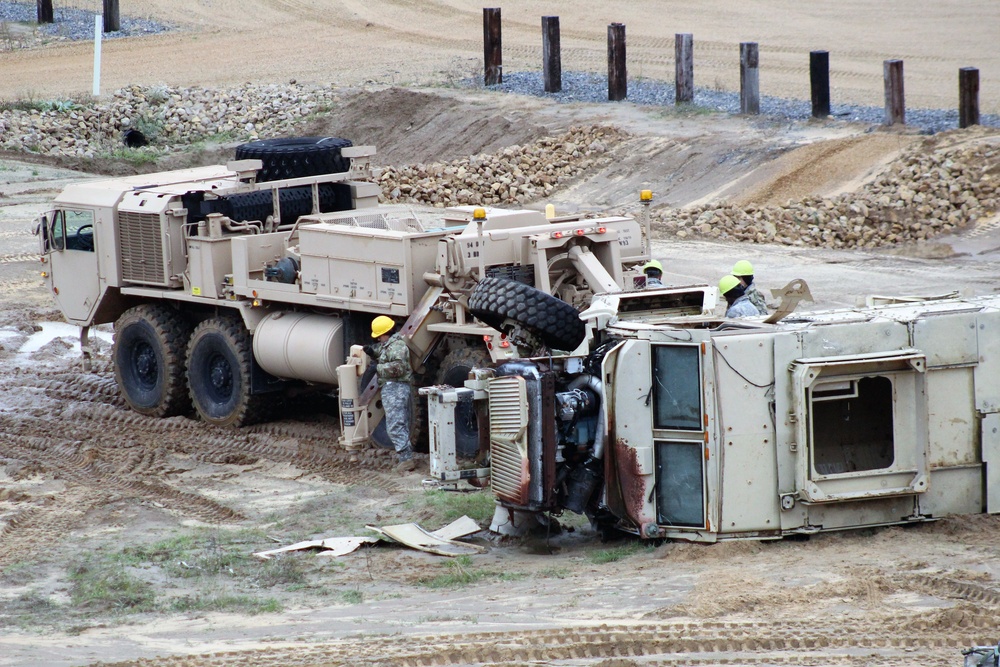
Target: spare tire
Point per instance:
(295, 157)
(556, 323)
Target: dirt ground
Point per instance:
(126, 540)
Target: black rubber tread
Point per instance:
(294, 202)
(295, 157)
(556, 323)
(454, 371)
(149, 353)
(220, 364)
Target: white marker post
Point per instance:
(97, 55)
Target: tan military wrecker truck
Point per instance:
(547, 374)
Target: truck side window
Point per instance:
(74, 230)
(852, 425)
(676, 387)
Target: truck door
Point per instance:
(68, 241)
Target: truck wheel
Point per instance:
(220, 361)
(555, 322)
(454, 371)
(295, 157)
(149, 350)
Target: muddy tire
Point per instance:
(556, 323)
(296, 157)
(454, 371)
(220, 364)
(149, 351)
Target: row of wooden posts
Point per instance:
(819, 72)
(111, 15)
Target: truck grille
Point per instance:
(508, 405)
(141, 248)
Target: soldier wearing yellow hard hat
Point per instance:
(653, 271)
(744, 271)
(392, 365)
(737, 302)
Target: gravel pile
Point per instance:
(512, 177)
(70, 24)
(587, 87)
(923, 194)
(168, 116)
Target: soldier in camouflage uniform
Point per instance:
(392, 364)
(744, 271)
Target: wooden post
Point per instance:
(683, 68)
(819, 82)
(551, 56)
(45, 14)
(749, 78)
(968, 96)
(111, 16)
(617, 73)
(491, 47)
(895, 101)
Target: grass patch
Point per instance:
(134, 156)
(460, 571)
(450, 505)
(244, 604)
(352, 597)
(28, 611)
(688, 109)
(554, 573)
(217, 554)
(106, 586)
(620, 552)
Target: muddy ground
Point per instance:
(127, 539)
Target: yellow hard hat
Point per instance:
(652, 264)
(727, 283)
(382, 325)
(742, 268)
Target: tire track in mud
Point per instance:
(34, 529)
(798, 643)
(19, 257)
(82, 465)
(91, 408)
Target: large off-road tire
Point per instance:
(220, 364)
(454, 371)
(295, 157)
(150, 346)
(556, 323)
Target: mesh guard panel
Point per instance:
(141, 249)
(508, 403)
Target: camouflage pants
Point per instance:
(396, 400)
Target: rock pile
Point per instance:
(922, 194)
(514, 176)
(166, 115)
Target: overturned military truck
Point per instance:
(704, 429)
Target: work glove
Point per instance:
(369, 350)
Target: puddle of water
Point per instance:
(53, 330)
